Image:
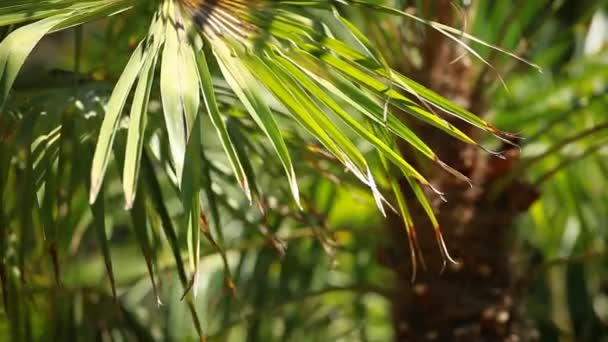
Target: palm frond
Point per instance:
(254, 66)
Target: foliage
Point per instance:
(231, 113)
(564, 156)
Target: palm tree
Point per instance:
(283, 86)
(481, 219)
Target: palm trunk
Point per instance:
(477, 299)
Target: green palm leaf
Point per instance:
(253, 29)
(283, 63)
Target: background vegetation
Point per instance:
(220, 239)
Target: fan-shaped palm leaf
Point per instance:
(288, 52)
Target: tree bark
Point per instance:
(477, 299)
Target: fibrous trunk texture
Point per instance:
(477, 299)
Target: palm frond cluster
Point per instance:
(290, 49)
(234, 18)
(277, 61)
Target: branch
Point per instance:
(559, 145)
(527, 163)
(578, 106)
(568, 162)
